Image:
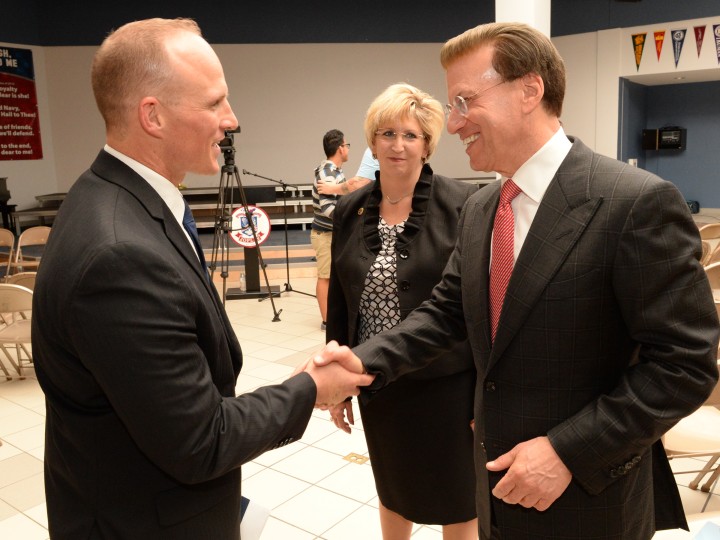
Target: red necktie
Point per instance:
(503, 252)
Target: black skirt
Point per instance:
(421, 448)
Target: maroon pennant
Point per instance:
(659, 38)
(699, 37)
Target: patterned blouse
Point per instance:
(379, 304)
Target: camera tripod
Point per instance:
(229, 183)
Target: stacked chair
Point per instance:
(19, 261)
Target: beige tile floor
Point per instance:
(311, 490)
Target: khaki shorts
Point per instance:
(321, 242)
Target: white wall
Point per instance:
(596, 61)
(78, 128)
(579, 109)
(690, 61)
(286, 96)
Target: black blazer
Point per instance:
(423, 249)
(138, 362)
(608, 337)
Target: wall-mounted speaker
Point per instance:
(666, 138)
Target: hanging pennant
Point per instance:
(659, 38)
(716, 33)
(678, 38)
(638, 41)
(699, 36)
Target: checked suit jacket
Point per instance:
(138, 362)
(607, 337)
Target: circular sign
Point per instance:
(242, 233)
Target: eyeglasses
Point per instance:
(389, 136)
(346, 144)
(460, 104)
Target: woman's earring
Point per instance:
(375, 157)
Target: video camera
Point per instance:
(227, 146)
(229, 140)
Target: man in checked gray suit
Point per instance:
(607, 335)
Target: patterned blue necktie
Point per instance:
(189, 225)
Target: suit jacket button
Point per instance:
(489, 386)
(404, 285)
(404, 254)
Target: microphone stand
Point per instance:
(288, 286)
(223, 223)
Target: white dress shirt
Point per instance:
(534, 177)
(168, 191)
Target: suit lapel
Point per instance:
(563, 215)
(115, 171)
(476, 262)
(175, 234)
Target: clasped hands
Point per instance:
(535, 476)
(337, 373)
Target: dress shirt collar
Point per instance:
(168, 191)
(534, 176)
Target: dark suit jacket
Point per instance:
(138, 362)
(423, 249)
(608, 337)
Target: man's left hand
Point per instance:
(535, 477)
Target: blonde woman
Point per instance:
(390, 244)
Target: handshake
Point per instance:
(337, 373)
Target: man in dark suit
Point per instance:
(132, 346)
(606, 334)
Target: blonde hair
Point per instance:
(405, 101)
(132, 62)
(519, 50)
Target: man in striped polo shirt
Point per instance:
(328, 172)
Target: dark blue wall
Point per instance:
(84, 22)
(251, 21)
(580, 16)
(633, 119)
(19, 22)
(695, 170)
